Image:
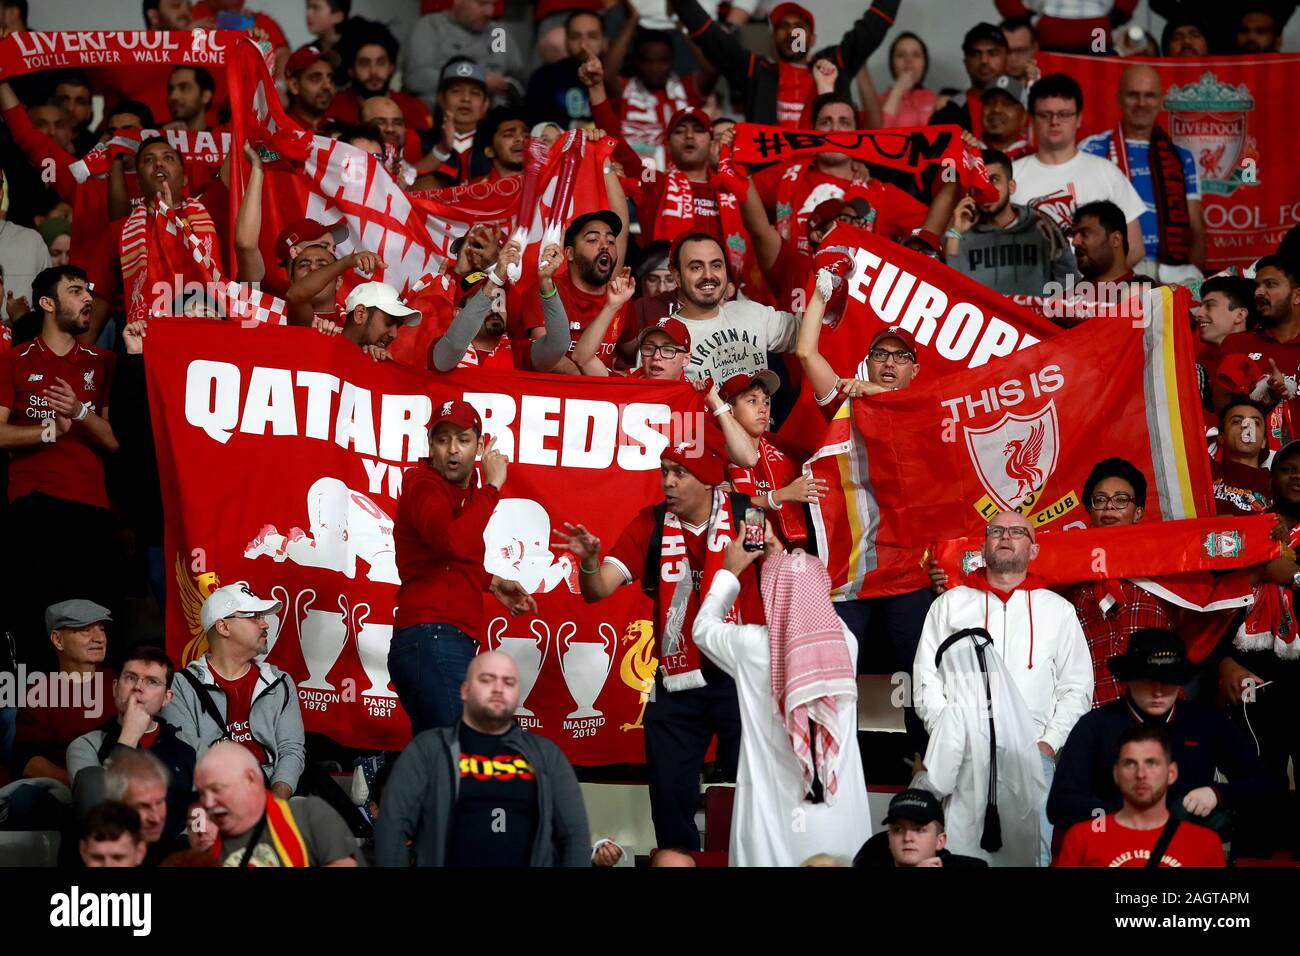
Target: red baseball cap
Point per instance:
(306, 57)
(894, 332)
(307, 232)
(781, 9)
(692, 112)
(739, 384)
(675, 329)
(700, 460)
(458, 413)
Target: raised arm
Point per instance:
(862, 39)
(724, 50)
(618, 291)
(304, 291)
(767, 241)
(821, 376)
(554, 344)
(249, 265)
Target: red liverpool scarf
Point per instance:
(679, 596)
(286, 839)
(1169, 191)
(1270, 624)
(773, 472)
(157, 261)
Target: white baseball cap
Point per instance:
(381, 296)
(232, 599)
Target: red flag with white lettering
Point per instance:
(320, 443)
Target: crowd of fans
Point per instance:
(209, 764)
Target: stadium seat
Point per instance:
(876, 710)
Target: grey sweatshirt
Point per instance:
(546, 351)
(1018, 260)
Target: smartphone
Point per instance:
(755, 537)
(234, 21)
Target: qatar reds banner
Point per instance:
(1021, 433)
(1234, 115)
(957, 323)
(285, 474)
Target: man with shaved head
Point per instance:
(485, 792)
(254, 827)
(1164, 175)
(1034, 630)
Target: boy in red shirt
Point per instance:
(1144, 769)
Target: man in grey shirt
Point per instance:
(466, 29)
(1013, 250)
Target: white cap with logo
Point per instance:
(381, 296)
(232, 599)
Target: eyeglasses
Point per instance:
(1047, 116)
(1100, 502)
(1001, 531)
(902, 356)
(247, 615)
(153, 683)
(667, 351)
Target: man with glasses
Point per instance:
(227, 694)
(1164, 175)
(139, 694)
(1034, 630)
(1058, 178)
(665, 349)
(1110, 612)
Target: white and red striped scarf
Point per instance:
(811, 666)
(234, 300)
(155, 259)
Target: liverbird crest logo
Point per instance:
(1015, 456)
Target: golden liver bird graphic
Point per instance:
(1022, 460)
(194, 590)
(639, 664)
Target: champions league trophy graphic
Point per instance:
(517, 547)
(345, 525)
(322, 636)
(585, 666)
(372, 648)
(528, 653)
(275, 622)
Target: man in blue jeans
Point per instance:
(438, 536)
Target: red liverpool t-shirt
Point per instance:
(1116, 845)
(239, 707)
(524, 311)
(70, 467)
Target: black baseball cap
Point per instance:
(984, 31)
(580, 223)
(919, 806)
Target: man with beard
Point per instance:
(1034, 630)
(556, 93)
(778, 92)
(1101, 251)
(368, 52)
(1013, 250)
(54, 424)
(1164, 175)
(374, 314)
(1184, 36)
(1131, 836)
(483, 792)
(984, 51)
(594, 245)
(462, 104)
(382, 112)
(728, 338)
(189, 94)
(309, 81)
(1259, 29)
(1003, 117)
(1270, 352)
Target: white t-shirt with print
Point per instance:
(1061, 189)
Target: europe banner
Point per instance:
(281, 453)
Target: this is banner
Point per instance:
(940, 458)
(1233, 115)
(956, 323)
(286, 475)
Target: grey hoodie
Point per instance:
(1018, 260)
(420, 802)
(275, 718)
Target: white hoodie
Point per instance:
(1039, 639)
